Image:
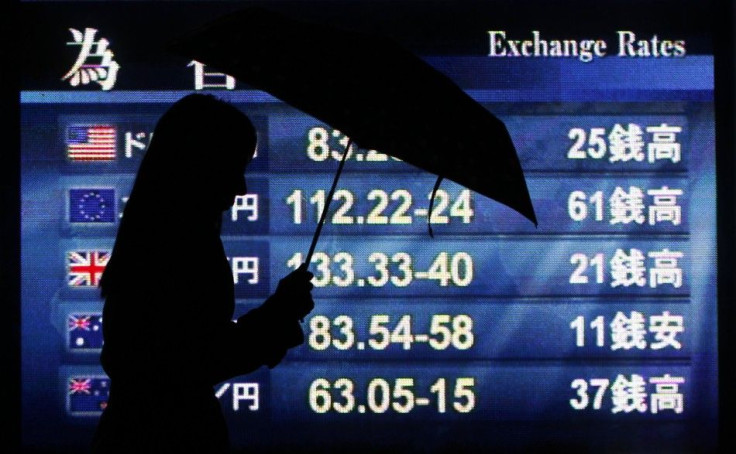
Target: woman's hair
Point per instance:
(199, 133)
(196, 144)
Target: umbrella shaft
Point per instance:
(327, 204)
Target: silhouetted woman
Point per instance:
(168, 289)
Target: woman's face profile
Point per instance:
(233, 184)
(229, 177)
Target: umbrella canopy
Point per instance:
(377, 93)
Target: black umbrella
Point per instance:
(377, 93)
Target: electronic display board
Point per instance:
(596, 329)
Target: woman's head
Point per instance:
(192, 171)
(198, 125)
(200, 148)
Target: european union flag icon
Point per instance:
(87, 395)
(85, 331)
(92, 205)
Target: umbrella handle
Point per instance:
(327, 205)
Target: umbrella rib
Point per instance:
(431, 204)
(327, 205)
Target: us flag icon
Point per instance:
(91, 142)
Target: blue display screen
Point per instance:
(600, 322)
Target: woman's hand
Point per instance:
(293, 297)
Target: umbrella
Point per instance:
(380, 95)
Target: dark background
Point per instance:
(694, 20)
